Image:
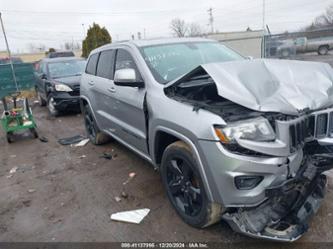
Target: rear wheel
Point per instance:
(184, 187)
(323, 50)
(34, 132)
(285, 53)
(96, 136)
(51, 106)
(9, 137)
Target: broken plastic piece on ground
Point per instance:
(82, 143)
(124, 195)
(134, 216)
(13, 170)
(130, 177)
(43, 139)
(83, 156)
(31, 190)
(71, 140)
(118, 199)
(107, 156)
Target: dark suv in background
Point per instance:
(58, 83)
(58, 54)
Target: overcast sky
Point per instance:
(53, 22)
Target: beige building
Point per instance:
(32, 57)
(248, 43)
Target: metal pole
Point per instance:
(9, 54)
(263, 28)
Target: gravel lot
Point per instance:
(57, 194)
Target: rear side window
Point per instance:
(106, 64)
(91, 65)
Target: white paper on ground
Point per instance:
(134, 216)
(82, 143)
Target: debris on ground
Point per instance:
(71, 140)
(130, 177)
(124, 195)
(13, 170)
(118, 199)
(82, 143)
(134, 216)
(9, 176)
(43, 139)
(107, 156)
(31, 190)
(83, 156)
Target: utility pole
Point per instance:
(211, 19)
(263, 28)
(9, 54)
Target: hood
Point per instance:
(267, 85)
(70, 81)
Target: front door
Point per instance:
(128, 109)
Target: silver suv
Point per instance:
(246, 141)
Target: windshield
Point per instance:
(66, 68)
(168, 62)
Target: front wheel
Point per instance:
(41, 101)
(96, 136)
(184, 186)
(51, 107)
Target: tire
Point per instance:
(41, 101)
(95, 135)
(9, 137)
(285, 53)
(184, 187)
(34, 132)
(323, 50)
(50, 106)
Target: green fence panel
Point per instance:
(24, 73)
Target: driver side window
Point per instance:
(125, 60)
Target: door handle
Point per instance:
(112, 89)
(91, 82)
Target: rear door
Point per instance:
(128, 106)
(89, 80)
(104, 87)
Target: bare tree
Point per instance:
(194, 29)
(178, 27)
(323, 21)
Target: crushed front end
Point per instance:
(266, 161)
(285, 214)
(290, 203)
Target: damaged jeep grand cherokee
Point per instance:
(246, 141)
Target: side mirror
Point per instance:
(127, 77)
(43, 76)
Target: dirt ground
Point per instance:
(63, 193)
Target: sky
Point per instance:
(54, 22)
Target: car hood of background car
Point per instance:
(269, 85)
(70, 81)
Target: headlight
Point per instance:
(62, 88)
(257, 129)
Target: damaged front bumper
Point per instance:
(284, 216)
